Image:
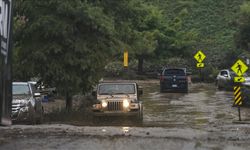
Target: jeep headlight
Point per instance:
(125, 103)
(104, 104)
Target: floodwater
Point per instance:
(202, 107)
(201, 119)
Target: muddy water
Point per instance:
(202, 119)
(202, 107)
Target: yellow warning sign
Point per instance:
(239, 79)
(125, 58)
(239, 67)
(199, 56)
(237, 96)
(200, 65)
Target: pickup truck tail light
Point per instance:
(161, 78)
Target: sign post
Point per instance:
(200, 56)
(5, 61)
(239, 68)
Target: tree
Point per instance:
(243, 35)
(136, 23)
(173, 40)
(68, 43)
(65, 43)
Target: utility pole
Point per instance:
(5, 61)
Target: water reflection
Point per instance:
(197, 109)
(125, 130)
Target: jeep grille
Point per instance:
(115, 106)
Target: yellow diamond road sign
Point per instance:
(239, 67)
(199, 56)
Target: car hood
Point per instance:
(128, 96)
(20, 99)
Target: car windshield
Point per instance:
(20, 89)
(174, 72)
(116, 89)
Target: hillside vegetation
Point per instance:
(214, 21)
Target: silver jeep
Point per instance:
(118, 98)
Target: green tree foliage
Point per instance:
(173, 39)
(211, 22)
(68, 43)
(136, 23)
(65, 43)
(243, 35)
(145, 32)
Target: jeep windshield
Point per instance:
(20, 89)
(105, 89)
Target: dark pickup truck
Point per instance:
(174, 79)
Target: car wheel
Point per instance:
(219, 87)
(32, 118)
(41, 117)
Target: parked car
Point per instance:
(118, 99)
(174, 79)
(26, 103)
(225, 79)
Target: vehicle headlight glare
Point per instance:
(104, 104)
(125, 103)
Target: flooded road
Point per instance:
(203, 106)
(202, 119)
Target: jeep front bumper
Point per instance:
(116, 109)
